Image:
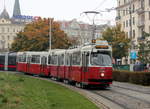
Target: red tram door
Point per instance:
(44, 66)
(28, 64)
(85, 61)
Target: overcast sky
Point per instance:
(64, 9)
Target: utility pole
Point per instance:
(130, 12)
(50, 34)
(131, 49)
(93, 23)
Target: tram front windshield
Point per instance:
(101, 59)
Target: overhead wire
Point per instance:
(101, 3)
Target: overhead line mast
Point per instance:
(93, 23)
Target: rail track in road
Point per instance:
(126, 98)
(133, 87)
(117, 97)
(124, 101)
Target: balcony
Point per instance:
(141, 9)
(141, 23)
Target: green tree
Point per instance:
(144, 48)
(118, 40)
(35, 37)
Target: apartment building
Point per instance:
(82, 32)
(134, 17)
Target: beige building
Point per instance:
(134, 17)
(8, 32)
(9, 27)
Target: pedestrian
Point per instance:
(148, 67)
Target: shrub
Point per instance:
(142, 78)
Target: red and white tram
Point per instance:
(8, 61)
(33, 63)
(93, 65)
(85, 65)
(89, 65)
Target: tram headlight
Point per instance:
(102, 74)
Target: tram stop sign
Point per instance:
(133, 55)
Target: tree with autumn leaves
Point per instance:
(144, 48)
(35, 37)
(118, 40)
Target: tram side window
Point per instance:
(35, 59)
(76, 58)
(54, 60)
(12, 60)
(2, 59)
(19, 58)
(22, 58)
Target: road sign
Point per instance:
(133, 55)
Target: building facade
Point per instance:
(82, 32)
(8, 31)
(9, 27)
(134, 17)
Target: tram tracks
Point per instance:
(126, 98)
(137, 88)
(125, 101)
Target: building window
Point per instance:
(133, 33)
(3, 38)
(130, 34)
(149, 2)
(123, 12)
(14, 30)
(8, 37)
(3, 29)
(7, 29)
(126, 11)
(133, 8)
(149, 15)
(149, 29)
(126, 23)
(118, 13)
(133, 21)
(130, 22)
(124, 1)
